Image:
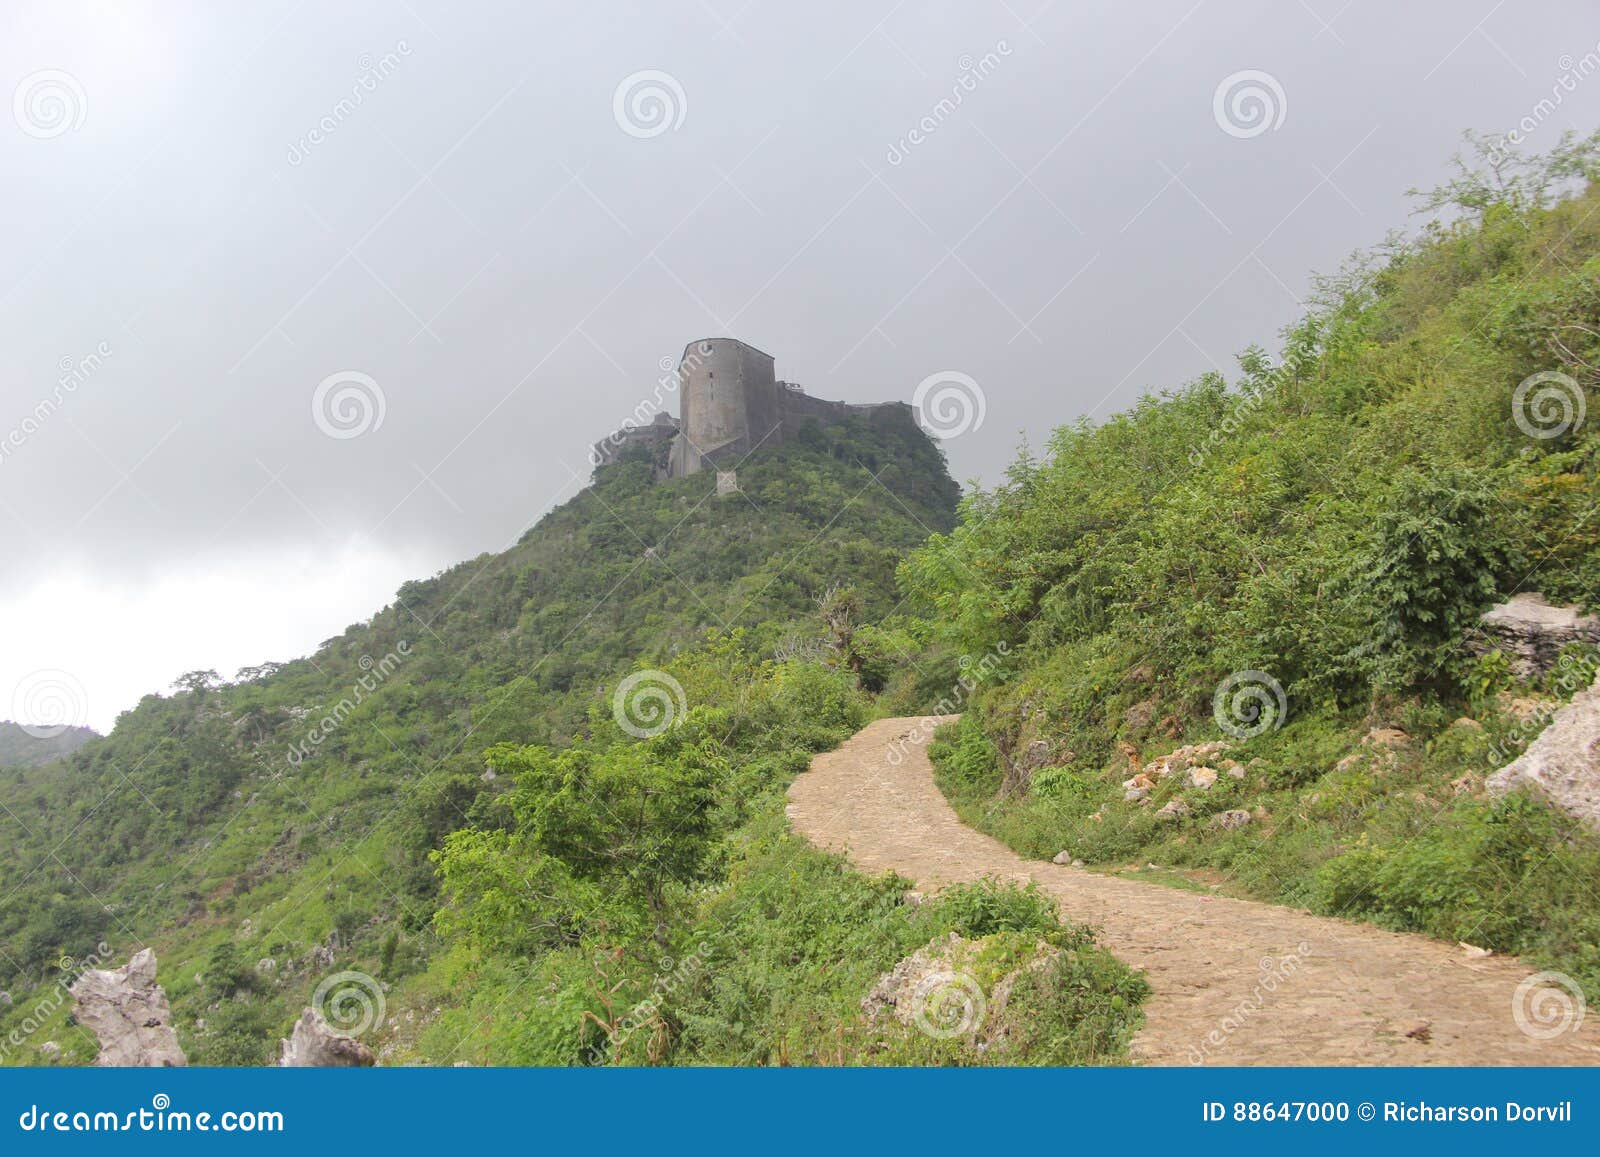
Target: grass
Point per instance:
(1402, 839)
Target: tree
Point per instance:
(1494, 174)
(197, 682)
(1440, 555)
(634, 818)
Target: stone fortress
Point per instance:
(732, 404)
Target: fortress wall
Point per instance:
(797, 407)
(889, 415)
(609, 449)
(733, 402)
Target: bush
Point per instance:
(966, 760)
(988, 906)
(238, 1033)
(1081, 1010)
(1440, 559)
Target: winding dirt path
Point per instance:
(1235, 982)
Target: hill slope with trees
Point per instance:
(1294, 565)
(470, 794)
(535, 806)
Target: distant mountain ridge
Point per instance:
(20, 747)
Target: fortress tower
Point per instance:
(732, 403)
(729, 403)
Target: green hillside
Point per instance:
(266, 832)
(536, 804)
(1328, 527)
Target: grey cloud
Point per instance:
(441, 197)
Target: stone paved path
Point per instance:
(1235, 982)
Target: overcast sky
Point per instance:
(484, 226)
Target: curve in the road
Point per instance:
(1235, 981)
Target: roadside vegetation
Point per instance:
(1324, 532)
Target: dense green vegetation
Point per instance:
(645, 903)
(1335, 520)
(442, 797)
(448, 798)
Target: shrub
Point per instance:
(1440, 557)
(1081, 1010)
(988, 906)
(966, 759)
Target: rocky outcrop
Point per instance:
(945, 990)
(1563, 764)
(1138, 718)
(128, 1013)
(1181, 760)
(314, 1045)
(1036, 755)
(907, 988)
(1531, 632)
(1385, 738)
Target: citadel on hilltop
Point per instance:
(733, 404)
